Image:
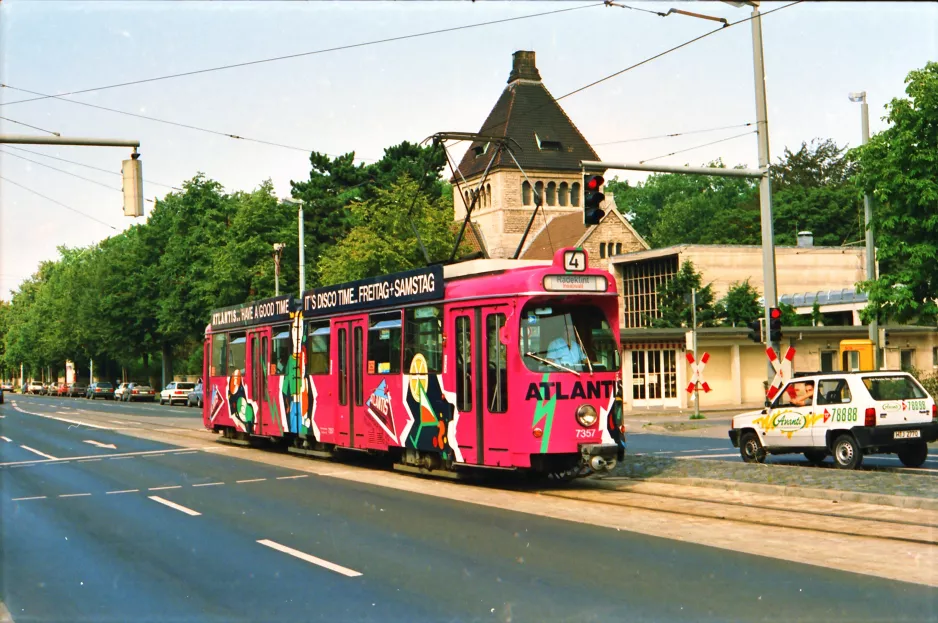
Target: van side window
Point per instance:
(800, 394)
(833, 392)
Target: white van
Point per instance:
(843, 414)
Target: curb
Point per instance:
(897, 501)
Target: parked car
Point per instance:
(121, 389)
(76, 389)
(194, 399)
(101, 390)
(177, 391)
(61, 390)
(139, 391)
(843, 414)
(7, 387)
(35, 387)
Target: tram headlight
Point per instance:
(586, 415)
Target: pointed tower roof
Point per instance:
(527, 113)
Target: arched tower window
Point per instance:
(552, 194)
(488, 195)
(575, 194)
(562, 195)
(526, 193)
(539, 191)
(602, 250)
(618, 248)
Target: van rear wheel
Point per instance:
(847, 453)
(913, 454)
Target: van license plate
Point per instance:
(906, 434)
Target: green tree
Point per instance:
(813, 189)
(741, 304)
(382, 237)
(899, 168)
(674, 301)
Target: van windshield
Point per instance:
(892, 388)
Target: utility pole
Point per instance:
(693, 304)
(299, 204)
(868, 220)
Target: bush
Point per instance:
(929, 381)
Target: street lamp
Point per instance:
(299, 205)
(860, 97)
(278, 251)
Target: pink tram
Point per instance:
(486, 363)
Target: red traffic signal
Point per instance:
(594, 182)
(775, 313)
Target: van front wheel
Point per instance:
(750, 448)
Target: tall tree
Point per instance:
(382, 238)
(899, 168)
(674, 301)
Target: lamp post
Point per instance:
(868, 221)
(278, 251)
(299, 205)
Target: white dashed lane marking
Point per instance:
(74, 495)
(42, 454)
(7, 439)
(250, 480)
(331, 566)
(292, 477)
(208, 484)
(165, 488)
(123, 491)
(35, 497)
(178, 507)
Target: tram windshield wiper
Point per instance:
(551, 363)
(586, 357)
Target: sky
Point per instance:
(372, 96)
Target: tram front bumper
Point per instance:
(599, 457)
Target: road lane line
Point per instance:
(109, 456)
(7, 439)
(88, 460)
(250, 480)
(208, 484)
(98, 444)
(36, 497)
(350, 573)
(178, 507)
(708, 456)
(123, 491)
(292, 477)
(34, 451)
(164, 488)
(74, 495)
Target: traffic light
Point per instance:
(755, 331)
(592, 199)
(775, 324)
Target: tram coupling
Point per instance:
(599, 457)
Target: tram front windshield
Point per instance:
(567, 337)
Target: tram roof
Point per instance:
(473, 268)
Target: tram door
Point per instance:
(479, 352)
(350, 357)
(256, 371)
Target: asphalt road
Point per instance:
(144, 531)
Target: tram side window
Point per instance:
(283, 348)
(424, 336)
(496, 364)
(317, 347)
(384, 343)
(463, 363)
(236, 353)
(219, 355)
(343, 368)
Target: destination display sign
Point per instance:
(413, 286)
(575, 283)
(264, 311)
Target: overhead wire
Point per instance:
(310, 53)
(87, 166)
(56, 201)
(685, 133)
(681, 151)
(30, 126)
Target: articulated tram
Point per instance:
(486, 363)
